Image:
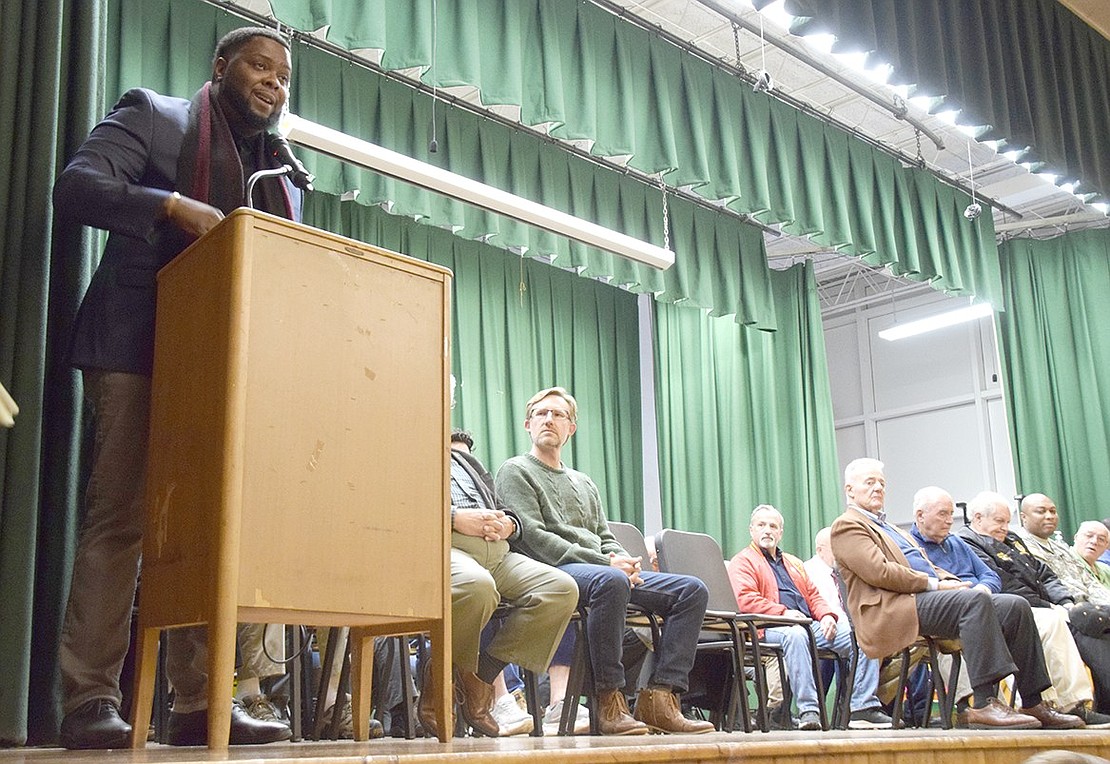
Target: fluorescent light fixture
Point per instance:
(373, 157)
(939, 321)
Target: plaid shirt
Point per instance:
(464, 494)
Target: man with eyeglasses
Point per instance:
(565, 526)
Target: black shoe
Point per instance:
(95, 724)
(192, 729)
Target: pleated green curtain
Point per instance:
(1054, 343)
(1030, 71)
(49, 52)
(629, 93)
(745, 418)
(509, 342)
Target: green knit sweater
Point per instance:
(561, 512)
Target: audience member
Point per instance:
(483, 573)
(895, 594)
(1039, 520)
(156, 173)
(989, 534)
(1091, 541)
(566, 526)
(768, 581)
(934, 510)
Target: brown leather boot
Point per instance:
(475, 699)
(427, 705)
(659, 710)
(613, 715)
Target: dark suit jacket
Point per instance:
(880, 583)
(1021, 573)
(118, 181)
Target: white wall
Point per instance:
(929, 406)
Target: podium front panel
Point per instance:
(344, 433)
(299, 420)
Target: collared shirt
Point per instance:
(464, 493)
(958, 558)
(789, 596)
(824, 578)
(914, 556)
(1100, 570)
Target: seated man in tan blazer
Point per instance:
(895, 594)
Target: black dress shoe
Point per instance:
(192, 729)
(95, 724)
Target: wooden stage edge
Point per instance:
(904, 747)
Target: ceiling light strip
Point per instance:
(373, 157)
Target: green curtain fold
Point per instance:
(593, 76)
(509, 342)
(1030, 71)
(745, 417)
(50, 52)
(1055, 353)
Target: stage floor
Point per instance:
(872, 746)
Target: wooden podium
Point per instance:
(298, 469)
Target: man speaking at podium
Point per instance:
(156, 173)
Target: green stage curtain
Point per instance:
(745, 418)
(50, 53)
(719, 258)
(507, 344)
(1055, 356)
(628, 93)
(1030, 71)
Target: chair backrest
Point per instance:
(696, 554)
(629, 536)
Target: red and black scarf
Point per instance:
(209, 168)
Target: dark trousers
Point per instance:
(997, 635)
(680, 600)
(1096, 654)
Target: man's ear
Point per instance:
(219, 68)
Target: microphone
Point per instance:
(279, 148)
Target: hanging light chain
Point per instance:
(666, 214)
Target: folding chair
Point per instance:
(944, 689)
(697, 554)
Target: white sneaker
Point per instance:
(510, 719)
(554, 713)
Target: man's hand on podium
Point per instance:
(193, 217)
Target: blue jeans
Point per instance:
(679, 600)
(799, 668)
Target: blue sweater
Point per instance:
(957, 557)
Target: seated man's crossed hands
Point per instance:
(488, 524)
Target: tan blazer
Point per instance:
(881, 585)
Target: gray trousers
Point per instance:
(97, 628)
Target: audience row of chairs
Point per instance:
(725, 631)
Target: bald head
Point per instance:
(865, 484)
(1092, 539)
(1038, 515)
(989, 514)
(822, 546)
(933, 512)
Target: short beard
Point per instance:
(247, 116)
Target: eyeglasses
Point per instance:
(557, 414)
